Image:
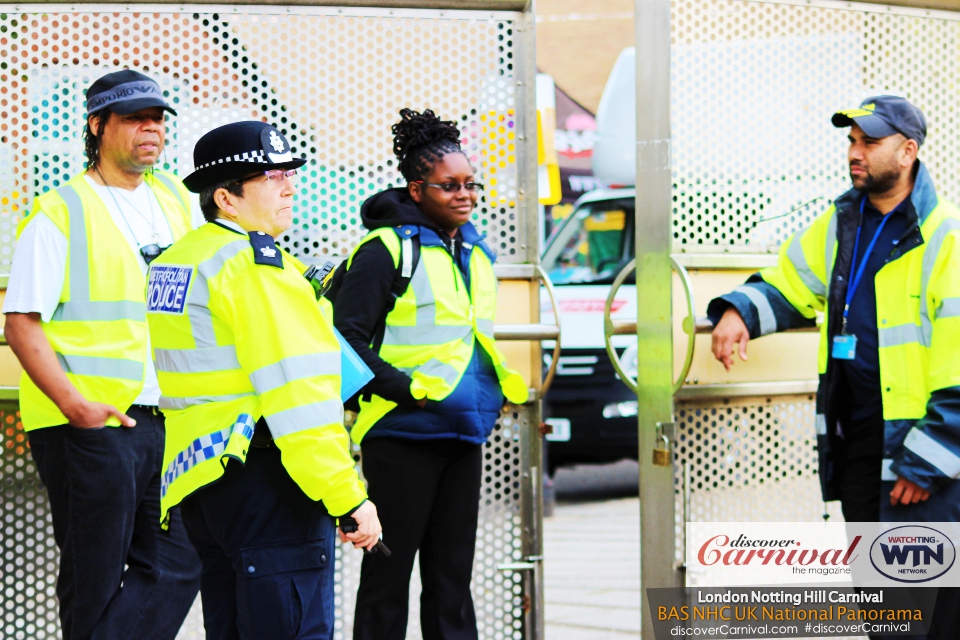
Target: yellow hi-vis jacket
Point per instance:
(237, 335)
(431, 332)
(918, 325)
(99, 329)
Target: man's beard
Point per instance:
(878, 182)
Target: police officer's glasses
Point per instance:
(151, 252)
(454, 187)
(276, 176)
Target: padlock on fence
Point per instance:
(661, 449)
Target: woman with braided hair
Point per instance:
(416, 302)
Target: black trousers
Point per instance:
(427, 495)
(860, 486)
(267, 551)
(104, 489)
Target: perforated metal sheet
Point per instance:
(28, 566)
(28, 600)
(753, 87)
(333, 81)
(750, 459)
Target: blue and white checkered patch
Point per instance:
(204, 448)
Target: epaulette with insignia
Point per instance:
(265, 249)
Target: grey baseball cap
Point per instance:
(882, 116)
(125, 92)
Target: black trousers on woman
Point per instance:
(427, 494)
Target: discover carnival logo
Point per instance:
(912, 553)
(745, 551)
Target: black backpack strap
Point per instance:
(409, 259)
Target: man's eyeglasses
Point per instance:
(151, 252)
(273, 175)
(454, 187)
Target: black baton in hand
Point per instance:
(348, 524)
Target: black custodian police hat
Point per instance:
(237, 150)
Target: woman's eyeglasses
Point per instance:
(454, 187)
(273, 175)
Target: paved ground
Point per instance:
(592, 549)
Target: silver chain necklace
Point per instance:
(151, 221)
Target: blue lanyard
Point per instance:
(858, 274)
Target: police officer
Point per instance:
(882, 264)
(417, 303)
(256, 453)
(75, 317)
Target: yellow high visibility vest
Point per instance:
(431, 332)
(98, 330)
(234, 341)
(915, 294)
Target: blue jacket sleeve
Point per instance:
(761, 305)
(930, 456)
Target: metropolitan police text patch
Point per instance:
(167, 288)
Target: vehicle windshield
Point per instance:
(592, 244)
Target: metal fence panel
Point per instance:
(332, 79)
(753, 87)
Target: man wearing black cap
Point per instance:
(256, 454)
(76, 319)
(883, 265)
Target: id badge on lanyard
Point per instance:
(845, 345)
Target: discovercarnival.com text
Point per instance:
(809, 630)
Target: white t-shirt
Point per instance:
(40, 260)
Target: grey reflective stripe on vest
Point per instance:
(949, 308)
(101, 367)
(896, 336)
(436, 369)
(100, 311)
(768, 321)
(885, 472)
(426, 302)
(196, 360)
(485, 327)
(830, 244)
(201, 320)
(280, 373)
(168, 183)
(192, 401)
(930, 254)
(304, 417)
(799, 261)
(79, 268)
(424, 334)
(933, 452)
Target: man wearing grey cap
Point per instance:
(76, 319)
(883, 265)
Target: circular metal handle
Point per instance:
(688, 324)
(552, 371)
(608, 325)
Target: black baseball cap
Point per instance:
(236, 150)
(883, 116)
(125, 92)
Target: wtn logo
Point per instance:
(912, 553)
(897, 554)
